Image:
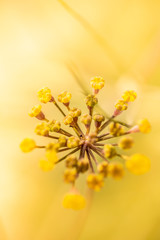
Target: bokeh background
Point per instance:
(118, 39)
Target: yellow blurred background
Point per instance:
(122, 43)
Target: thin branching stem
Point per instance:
(90, 161)
(93, 157)
(61, 159)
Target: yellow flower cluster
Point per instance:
(87, 143)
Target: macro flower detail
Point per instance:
(84, 148)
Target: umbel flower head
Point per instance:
(90, 150)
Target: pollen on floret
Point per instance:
(74, 201)
(129, 96)
(44, 95)
(109, 151)
(95, 181)
(91, 101)
(116, 170)
(35, 111)
(144, 126)
(46, 165)
(138, 164)
(64, 97)
(97, 82)
(27, 145)
(126, 143)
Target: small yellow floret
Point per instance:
(73, 142)
(86, 119)
(144, 126)
(42, 129)
(138, 164)
(97, 82)
(91, 101)
(74, 201)
(46, 165)
(68, 120)
(54, 126)
(116, 129)
(44, 95)
(75, 112)
(121, 105)
(103, 168)
(27, 145)
(129, 96)
(35, 111)
(64, 97)
(95, 181)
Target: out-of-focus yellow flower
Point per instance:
(73, 142)
(71, 161)
(44, 95)
(126, 143)
(42, 129)
(27, 145)
(138, 164)
(109, 151)
(95, 181)
(144, 126)
(35, 111)
(129, 96)
(64, 97)
(70, 175)
(74, 201)
(62, 141)
(116, 170)
(46, 165)
(97, 82)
